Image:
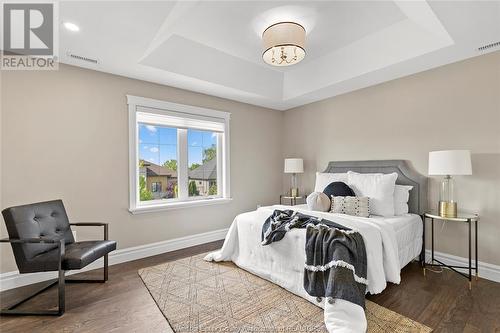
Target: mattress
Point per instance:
(408, 229)
(283, 262)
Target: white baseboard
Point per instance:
(13, 279)
(486, 271)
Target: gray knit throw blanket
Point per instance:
(335, 265)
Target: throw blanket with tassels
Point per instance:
(335, 265)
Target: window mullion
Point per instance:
(182, 165)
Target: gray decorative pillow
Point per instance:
(318, 201)
(356, 206)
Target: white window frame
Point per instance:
(139, 104)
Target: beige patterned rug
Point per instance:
(199, 296)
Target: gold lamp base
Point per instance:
(294, 192)
(447, 209)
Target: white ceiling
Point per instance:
(214, 47)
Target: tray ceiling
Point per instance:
(214, 47)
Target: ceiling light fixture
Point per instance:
(284, 44)
(71, 26)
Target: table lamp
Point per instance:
(294, 166)
(449, 163)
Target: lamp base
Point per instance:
(447, 209)
(294, 192)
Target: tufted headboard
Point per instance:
(406, 176)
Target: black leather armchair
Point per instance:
(41, 239)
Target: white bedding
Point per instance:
(283, 262)
(409, 231)
(408, 228)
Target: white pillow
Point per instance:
(401, 197)
(324, 179)
(318, 201)
(356, 206)
(378, 187)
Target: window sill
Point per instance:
(178, 205)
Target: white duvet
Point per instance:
(283, 262)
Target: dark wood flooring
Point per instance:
(439, 300)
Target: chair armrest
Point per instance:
(60, 241)
(31, 240)
(93, 224)
(89, 224)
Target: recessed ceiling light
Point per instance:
(71, 26)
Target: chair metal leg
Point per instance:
(61, 292)
(29, 313)
(106, 234)
(106, 267)
(11, 310)
(61, 285)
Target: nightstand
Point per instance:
(292, 200)
(461, 217)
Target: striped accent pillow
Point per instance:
(356, 206)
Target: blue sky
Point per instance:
(158, 144)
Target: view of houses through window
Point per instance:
(158, 162)
(202, 163)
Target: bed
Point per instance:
(391, 243)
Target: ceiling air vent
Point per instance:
(82, 58)
(489, 46)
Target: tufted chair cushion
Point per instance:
(45, 219)
(77, 256)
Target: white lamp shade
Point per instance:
(450, 162)
(294, 165)
(284, 44)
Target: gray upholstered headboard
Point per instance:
(406, 176)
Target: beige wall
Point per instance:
(65, 135)
(2, 228)
(452, 107)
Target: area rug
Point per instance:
(199, 296)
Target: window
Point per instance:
(157, 162)
(202, 163)
(156, 187)
(179, 155)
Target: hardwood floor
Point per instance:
(123, 304)
(443, 301)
